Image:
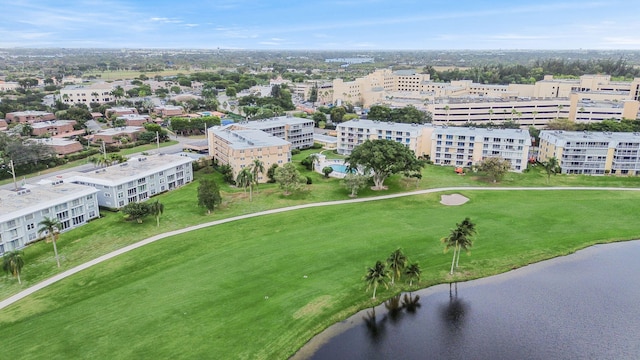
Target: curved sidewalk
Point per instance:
(24, 293)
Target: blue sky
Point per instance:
(321, 25)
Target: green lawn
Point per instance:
(238, 290)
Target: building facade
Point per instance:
(238, 147)
(29, 117)
(22, 210)
(466, 146)
(52, 127)
(354, 132)
(592, 153)
(135, 180)
(85, 94)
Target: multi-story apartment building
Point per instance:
(238, 146)
(445, 145)
(85, 94)
(526, 112)
(354, 132)
(592, 153)
(135, 180)
(466, 146)
(22, 210)
(29, 117)
(297, 131)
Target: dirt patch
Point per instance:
(453, 199)
(313, 307)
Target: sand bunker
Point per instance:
(453, 199)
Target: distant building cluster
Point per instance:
(587, 99)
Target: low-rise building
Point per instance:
(592, 153)
(168, 110)
(111, 135)
(29, 117)
(238, 147)
(135, 119)
(120, 111)
(135, 180)
(22, 210)
(60, 146)
(52, 127)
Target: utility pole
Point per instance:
(13, 173)
(158, 140)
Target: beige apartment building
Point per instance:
(85, 94)
(297, 131)
(592, 153)
(238, 147)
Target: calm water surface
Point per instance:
(583, 306)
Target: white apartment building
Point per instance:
(297, 131)
(466, 146)
(86, 94)
(21, 211)
(354, 132)
(592, 153)
(135, 180)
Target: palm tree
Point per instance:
(413, 272)
(257, 167)
(397, 262)
(156, 209)
(468, 228)
(446, 109)
(51, 227)
(12, 262)
(314, 159)
(451, 241)
(551, 166)
(245, 179)
(377, 275)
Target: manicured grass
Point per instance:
(239, 290)
(204, 292)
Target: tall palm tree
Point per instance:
(51, 227)
(468, 228)
(397, 262)
(377, 275)
(413, 272)
(451, 241)
(12, 262)
(257, 167)
(245, 179)
(156, 209)
(551, 166)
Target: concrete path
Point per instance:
(10, 300)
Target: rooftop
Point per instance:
(276, 121)
(33, 197)
(247, 139)
(593, 135)
(131, 170)
(46, 124)
(120, 130)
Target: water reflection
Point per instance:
(395, 307)
(375, 329)
(454, 312)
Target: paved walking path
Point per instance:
(10, 300)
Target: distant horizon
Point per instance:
(321, 50)
(333, 25)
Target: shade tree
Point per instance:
(382, 158)
(209, 194)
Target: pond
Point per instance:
(582, 306)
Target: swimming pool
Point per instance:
(339, 168)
